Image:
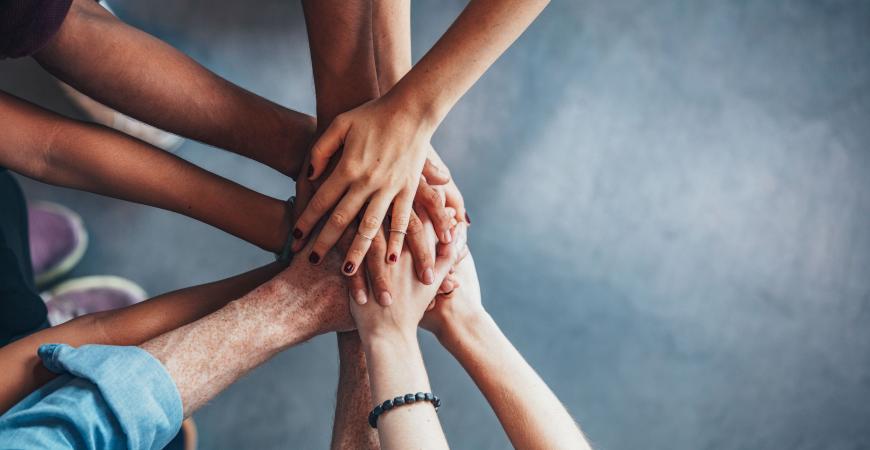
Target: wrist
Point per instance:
(411, 104)
(388, 338)
(465, 328)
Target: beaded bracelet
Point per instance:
(402, 400)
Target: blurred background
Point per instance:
(671, 207)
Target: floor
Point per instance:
(671, 208)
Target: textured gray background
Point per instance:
(671, 208)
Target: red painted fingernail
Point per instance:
(348, 267)
(393, 258)
(467, 219)
(297, 233)
(313, 258)
(310, 170)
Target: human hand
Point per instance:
(384, 154)
(449, 194)
(420, 240)
(459, 309)
(412, 297)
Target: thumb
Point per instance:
(448, 254)
(326, 146)
(435, 174)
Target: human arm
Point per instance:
(530, 413)
(48, 147)
(340, 39)
(206, 356)
(395, 364)
(93, 404)
(385, 141)
(353, 398)
(391, 34)
(145, 78)
(132, 325)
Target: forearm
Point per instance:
(205, 356)
(23, 372)
(396, 368)
(391, 34)
(530, 413)
(481, 33)
(350, 429)
(145, 78)
(47, 147)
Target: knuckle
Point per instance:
(432, 197)
(339, 219)
(351, 171)
(356, 254)
(415, 226)
(400, 222)
(380, 280)
(318, 204)
(370, 222)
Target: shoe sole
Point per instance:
(96, 281)
(66, 264)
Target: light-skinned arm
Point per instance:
(395, 363)
(385, 141)
(530, 413)
(145, 78)
(391, 34)
(206, 356)
(47, 147)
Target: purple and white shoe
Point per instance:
(86, 295)
(58, 240)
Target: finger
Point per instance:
(340, 218)
(435, 174)
(448, 253)
(421, 250)
(324, 199)
(357, 286)
(446, 285)
(431, 306)
(453, 199)
(366, 233)
(430, 199)
(378, 271)
(402, 207)
(326, 146)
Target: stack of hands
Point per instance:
(378, 229)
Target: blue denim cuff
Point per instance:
(135, 386)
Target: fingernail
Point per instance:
(428, 276)
(348, 267)
(447, 236)
(310, 170)
(386, 299)
(393, 258)
(313, 258)
(360, 297)
(297, 233)
(467, 219)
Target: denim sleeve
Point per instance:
(106, 397)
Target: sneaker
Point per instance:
(86, 295)
(186, 437)
(57, 240)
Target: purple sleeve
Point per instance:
(27, 25)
